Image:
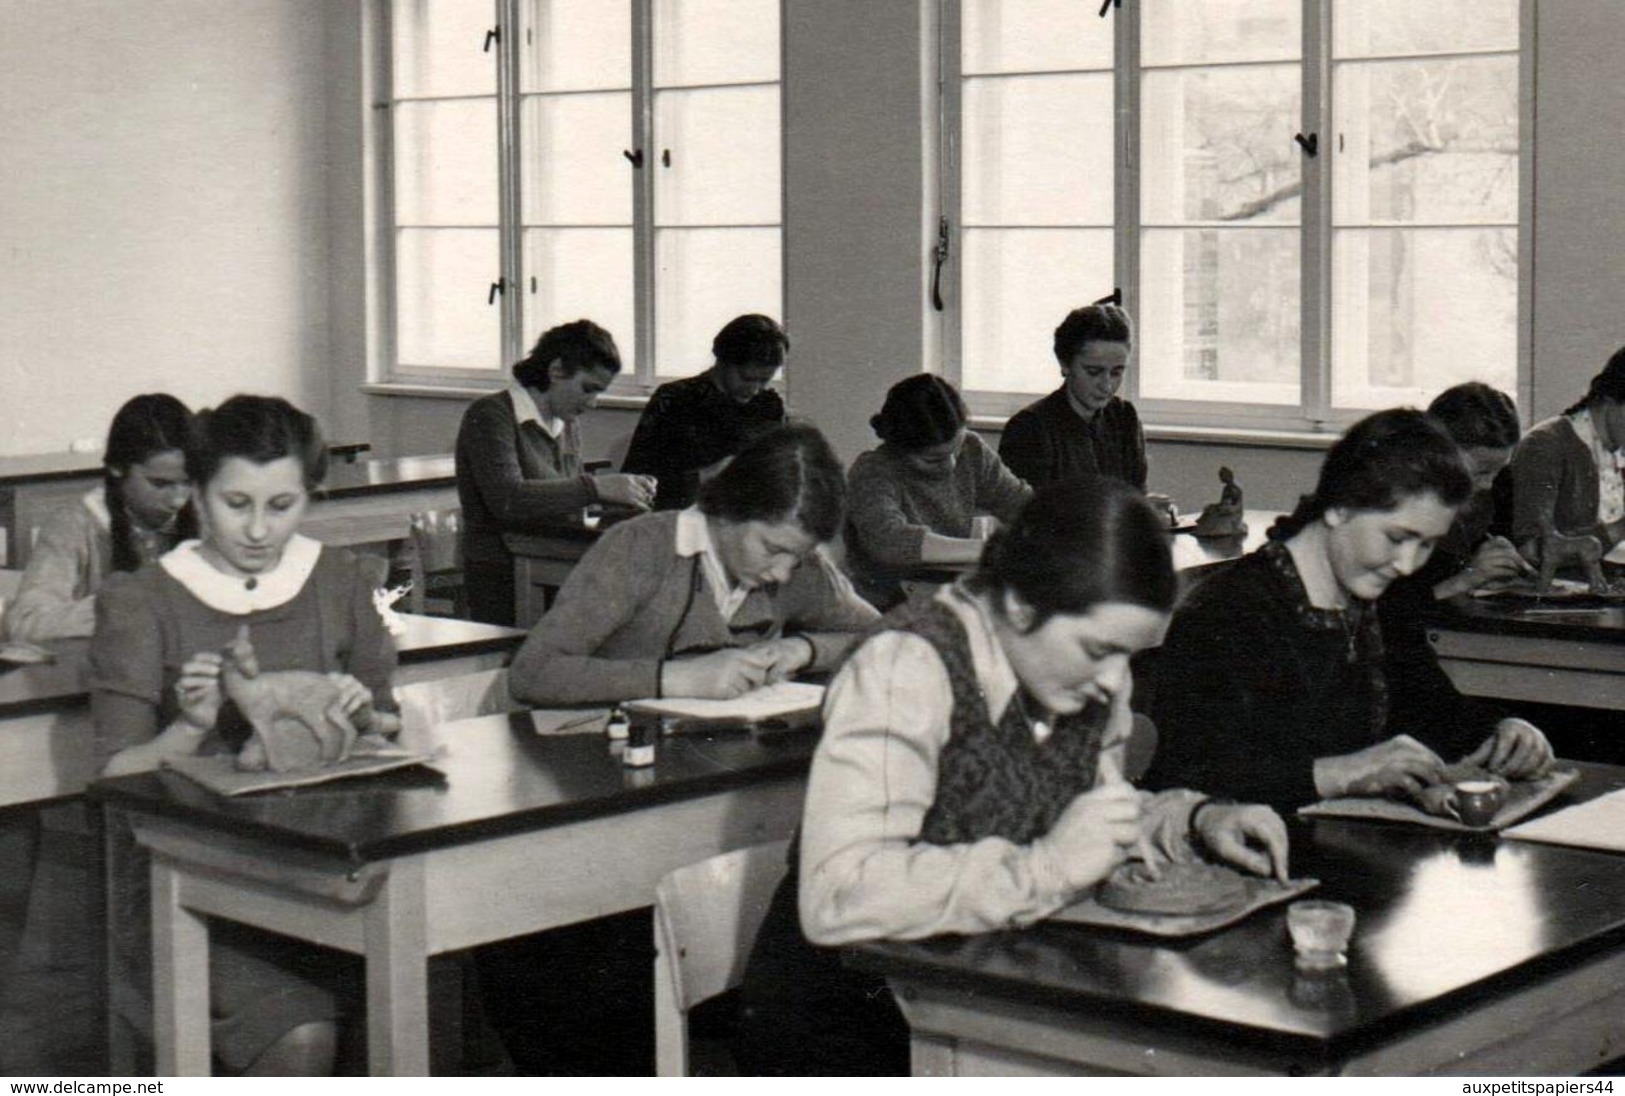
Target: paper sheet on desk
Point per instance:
(220, 774)
(784, 698)
(1596, 824)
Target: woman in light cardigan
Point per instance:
(711, 601)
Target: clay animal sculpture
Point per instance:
(297, 715)
(1560, 549)
(1223, 518)
(1177, 888)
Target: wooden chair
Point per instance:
(437, 560)
(706, 916)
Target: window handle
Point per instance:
(939, 257)
(1108, 6)
(1114, 297)
(1309, 144)
(634, 158)
(665, 157)
(498, 286)
(492, 35)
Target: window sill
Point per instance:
(400, 389)
(1239, 437)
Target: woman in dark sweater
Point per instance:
(1284, 691)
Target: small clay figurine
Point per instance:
(1559, 549)
(1223, 518)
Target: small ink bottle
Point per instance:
(640, 744)
(617, 725)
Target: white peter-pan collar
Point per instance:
(240, 596)
(693, 538)
(525, 410)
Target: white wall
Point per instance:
(163, 208)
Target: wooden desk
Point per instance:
(46, 740)
(541, 562)
(524, 833)
(1192, 552)
(1471, 956)
(1496, 648)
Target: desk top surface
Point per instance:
(1587, 620)
(379, 477)
(53, 684)
(44, 467)
(1445, 920)
(499, 777)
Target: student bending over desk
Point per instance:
(1280, 687)
(136, 515)
(697, 602)
(156, 693)
(970, 776)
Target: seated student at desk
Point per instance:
(710, 601)
(519, 458)
(690, 426)
(137, 514)
(1565, 473)
(1279, 686)
(156, 692)
(915, 499)
(1083, 427)
(970, 776)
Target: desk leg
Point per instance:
(398, 975)
(180, 978)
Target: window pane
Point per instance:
(1017, 286)
(438, 48)
(1037, 150)
(1032, 36)
(446, 162)
(1427, 141)
(576, 272)
(715, 42)
(1362, 28)
(442, 279)
(1216, 145)
(1197, 32)
(1219, 315)
(1416, 311)
(704, 278)
(724, 145)
(574, 170)
(575, 45)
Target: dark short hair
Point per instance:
(1383, 460)
(919, 412)
(578, 345)
(260, 429)
(1477, 416)
(1609, 385)
(788, 473)
(1079, 543)
(144, 427)
(1091, 323)
(751, 339)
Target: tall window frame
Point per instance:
(1324, 219)
(687, 237)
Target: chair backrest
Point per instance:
(425, 704)
(706, 917)
(437, 548)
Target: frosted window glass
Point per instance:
(1032, 36)
(446, 162)
(1362, 28)
(1418, 310)
(442, 280)
(1201, 32)
(724, 146)
(575, 45)
(715, 42)
(1038, 150)
(705, 278)
(1219, 316)
(574, 171)
(438, 48)
(1216, 145)
(576, 272)
(1018, 285)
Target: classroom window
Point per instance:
(1161, 152)
(616, 159)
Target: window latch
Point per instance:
(492, 35)
(939, 256)
(634, 158)
(1310, 144)
(1108, 6)
(1114, 297)
(498, 286)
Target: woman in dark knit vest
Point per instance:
(1287, 688)
(970, 776)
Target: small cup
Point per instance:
(1476, 802)
(1320, 932)
(1164, 505)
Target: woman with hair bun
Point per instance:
(970, 775)
(137, 513)
(1282, 688)
(915, 498)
